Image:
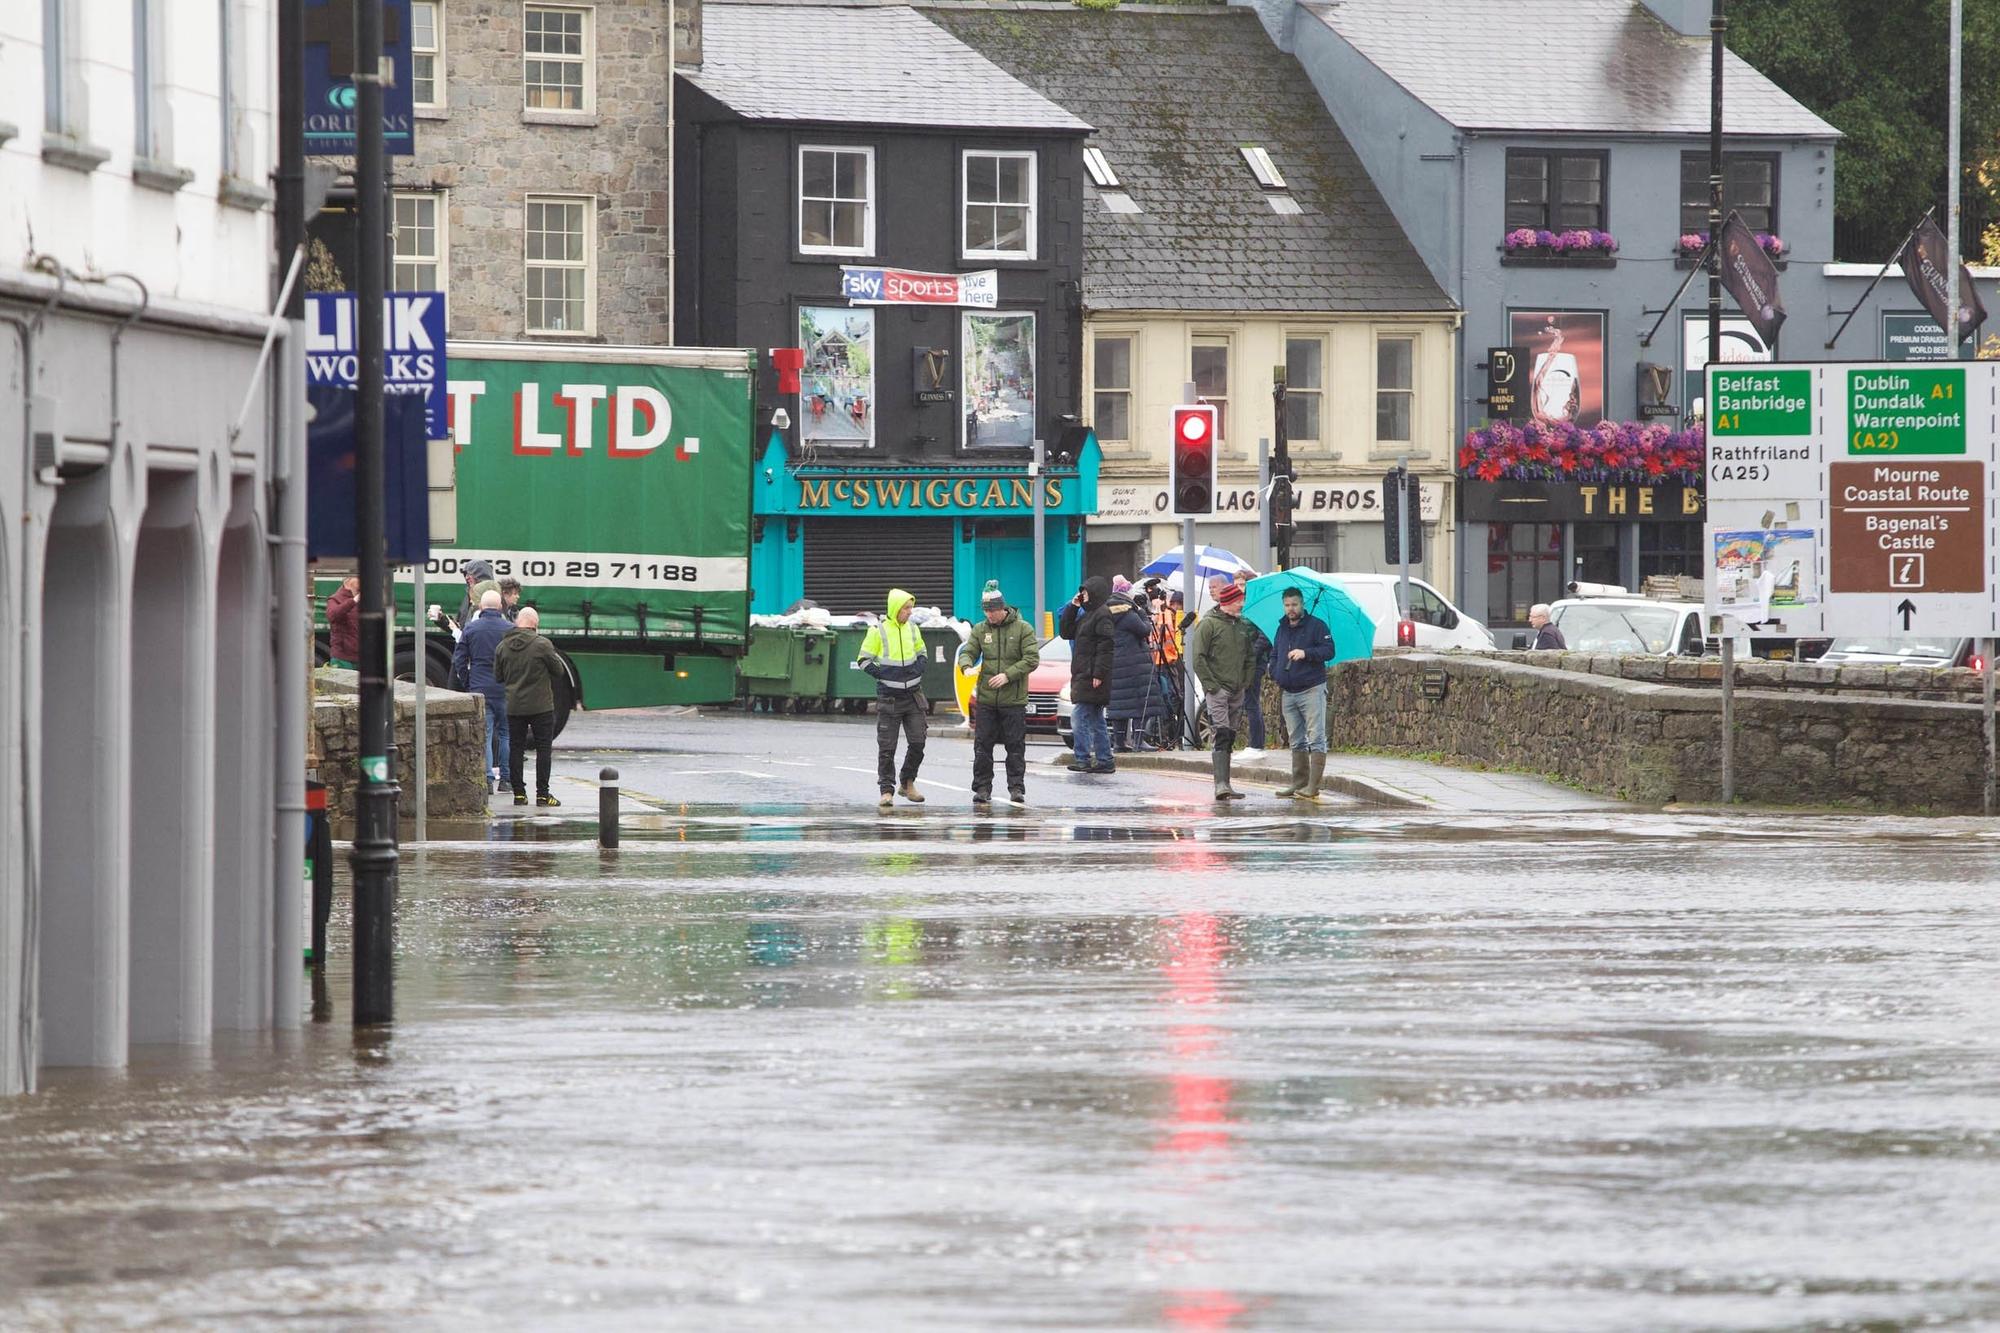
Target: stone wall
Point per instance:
(455, 765)
(487, 152)
(1657, 742)
(1856, 679)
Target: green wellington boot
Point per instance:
(1298, 782)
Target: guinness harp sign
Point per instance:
(931, 374)
(1506, 383)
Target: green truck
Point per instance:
(614, 483)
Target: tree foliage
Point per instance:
(1877, 72)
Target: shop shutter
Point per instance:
(851, 563)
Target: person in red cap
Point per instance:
(1223, 651)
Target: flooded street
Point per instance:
(788, 1065)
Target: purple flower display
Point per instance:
(1611, 451)
(1577, 241)
(1694, 242)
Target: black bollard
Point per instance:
(607, 807)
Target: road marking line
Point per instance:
(712, 772)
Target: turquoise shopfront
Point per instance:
(842, 536)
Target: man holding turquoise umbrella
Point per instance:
(1300, 651)
(1286, 606)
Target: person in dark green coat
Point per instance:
(1003, 650)
(529, 667)
(1223, 652)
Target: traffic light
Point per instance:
(1402, 507)
(1194, 461)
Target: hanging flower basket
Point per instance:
(1692, 243)
(1611, 451)
(1579, 244)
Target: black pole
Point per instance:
(1716, 26)
(291, 177)
(607, 807)
(374, 858)
(1280, 498)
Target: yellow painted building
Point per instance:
(1363, 391)
(1230, 229)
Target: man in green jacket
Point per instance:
(1002, 649)
(1223, 651)
(530, 668)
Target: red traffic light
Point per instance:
(1406, 634)
(1194, 460)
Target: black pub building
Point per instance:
(855, 182)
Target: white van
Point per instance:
(1440, 625)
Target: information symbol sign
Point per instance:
(1906, 571)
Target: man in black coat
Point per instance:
(1086, 623)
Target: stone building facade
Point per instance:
(540, 195)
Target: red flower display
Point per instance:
(1611, 451)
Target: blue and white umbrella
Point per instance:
(1208, 561)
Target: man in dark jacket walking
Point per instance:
(530, 669)
(472, 663)
(1298, 664)
(343, 625)
(1223, 656)
(1086, 623)
(1132, 687)
(1002, 649)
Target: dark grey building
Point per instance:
(856, 182)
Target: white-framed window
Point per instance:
(836, 200)
(1305, 386)
(427, 54)
(1208, 367)
(556, 58)
(1395, 388)
(998, 190)
(420, 243)
(1111, 385)
(561, 264)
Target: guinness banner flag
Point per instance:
(1924, 268)
(1751, 278)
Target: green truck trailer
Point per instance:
(614, 483)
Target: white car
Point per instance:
(1440, 625)
(1630, 625)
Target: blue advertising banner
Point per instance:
(329, 83)
(330, 477)
(412, 347)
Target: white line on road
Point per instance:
(712, 772)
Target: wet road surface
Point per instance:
(783, 1063)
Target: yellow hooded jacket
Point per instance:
(893, 652)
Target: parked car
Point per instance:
(1903, 650)
(1047, 685)
(1440, 625)
(1630, 625)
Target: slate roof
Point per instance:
(858, 64)
(1174, 93)
(1608, 66)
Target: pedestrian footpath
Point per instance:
(1410, 784)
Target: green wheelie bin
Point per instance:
(848, 688)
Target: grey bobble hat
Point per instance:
(992, 594)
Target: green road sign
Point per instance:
(1897, 411)
(1760, 402)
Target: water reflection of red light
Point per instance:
(1200, 1100)
(1203, 1309)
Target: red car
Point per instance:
(1045, 684)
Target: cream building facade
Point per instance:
(1229, 230)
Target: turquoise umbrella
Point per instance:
(1353, 630)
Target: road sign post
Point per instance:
(1856, 500)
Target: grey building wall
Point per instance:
(488, 152)
(1410, 152)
